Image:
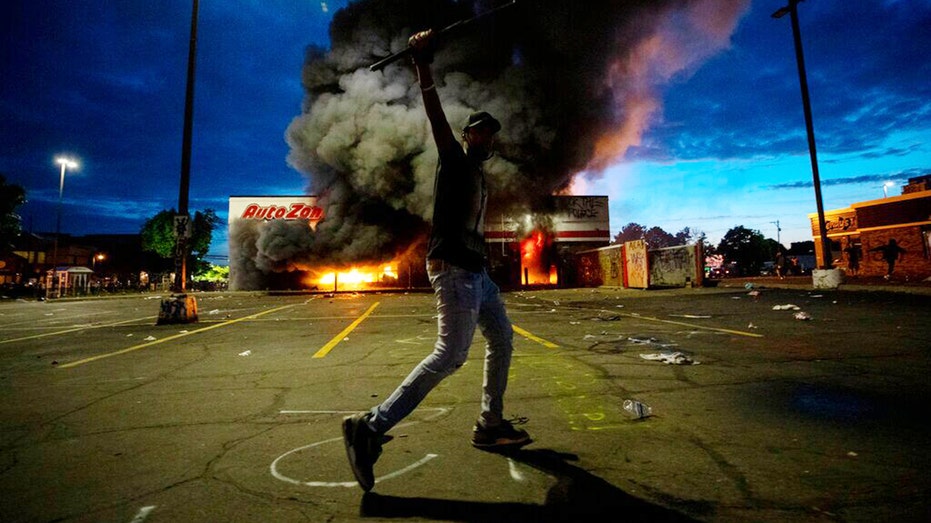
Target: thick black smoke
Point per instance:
(573, 83)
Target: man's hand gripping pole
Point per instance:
(446, 31)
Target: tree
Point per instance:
(158, 236)
(11, 197)
(657, 238)
(688, 235)
(630, 232)
(747, 247)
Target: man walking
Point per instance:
(466, 297)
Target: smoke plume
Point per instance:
(574, 84)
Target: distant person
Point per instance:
(465, 295)
(853, 253)
(781, 264)
(891, 252)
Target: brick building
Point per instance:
(864, 226)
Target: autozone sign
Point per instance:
(295, 211)
(268, 208)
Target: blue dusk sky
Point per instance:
(721, 144)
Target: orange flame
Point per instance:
(355, 278)
(534, 266)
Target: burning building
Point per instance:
(574, 85)
(537, 249)
(271, 237)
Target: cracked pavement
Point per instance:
(108, 417)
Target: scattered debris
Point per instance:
(214, 312)
(670, 358)
(691, 316)
(150, 338)
(786, 307)
(804, 316)
(637, 409)
(755, 294)
(752, 326)
(610, 317)
(246, 353)
(852, 454)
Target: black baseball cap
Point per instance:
(482, 118)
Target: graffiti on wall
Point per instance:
(675, 266)
(635, 263)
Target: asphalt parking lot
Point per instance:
(108, 417)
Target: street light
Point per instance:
(66, 163)
(885, 186)
(792, 9)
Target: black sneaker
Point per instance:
(363, 446)
(503, 435)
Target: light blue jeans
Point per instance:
(464, 299)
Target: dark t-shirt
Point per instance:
(459, 197)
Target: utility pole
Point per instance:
(180, 307)
(778, 230)
(792, 9)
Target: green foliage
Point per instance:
(11, 197)
(748, 247)
(158, 236)
(656, 237)
(215, 273)
(630, 232)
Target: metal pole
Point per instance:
(61, 191)
(181, 246)
(809, 127)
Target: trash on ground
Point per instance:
(752, 326)
(691, 316)
(670, 358)
(575, 323)
(610, 317)
(641, 340)
(214, 311)
(804, 316)
(637, 409)
(786, 307)
(755, 294)
(246, 353)
(149, 338)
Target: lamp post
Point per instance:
(792, 9)
(66, 163)
(886, 186)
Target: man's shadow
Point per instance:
(577, 496)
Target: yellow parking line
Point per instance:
(169, 338)
(75, 329)
(531, 337)
(694, 326)
(339, 337)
